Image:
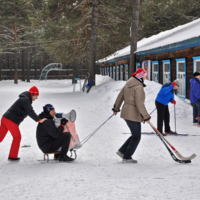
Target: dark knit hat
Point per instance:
(34, 91)
(196, 74)
(47, 108)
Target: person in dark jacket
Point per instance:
(165, 95)
(50, 138)
(195, 97)
(15, 115)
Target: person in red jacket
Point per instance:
(15, 115)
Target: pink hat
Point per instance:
(139, 73)
(34, 91)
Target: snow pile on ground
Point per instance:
(98, 172)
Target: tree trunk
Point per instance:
(93, 40)
(23, 64)
(16, 68)
(134, 33)
(29, 61)
(35, 69)
(0, 66)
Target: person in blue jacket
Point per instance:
(165, 95)
(195, 97)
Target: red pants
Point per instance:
(7, 125)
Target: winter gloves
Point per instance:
(173, 83)
(63, 122)
(174, 102)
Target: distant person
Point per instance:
(195, 97)
(50, 138)
(15, 115)
(133, 112)
(165, 95)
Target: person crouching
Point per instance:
(50, 138)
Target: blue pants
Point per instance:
(129, 147)
(196, 112)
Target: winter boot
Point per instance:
(13, 159)
(56, 156)
(170, 132)
(129, 161)
(65, 158)
(121, 155)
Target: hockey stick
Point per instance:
(184, 159)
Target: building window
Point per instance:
(101, 70)
(114, 73)
(155, 71)
(111, 74)
(181, 75)
(121, 72)
(138, 66)
(196, 64)
(166, 71)
(126, 72)
(108, 71)
(117, 75)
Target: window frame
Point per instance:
(164, 62)
(152, 63)
(182, 60)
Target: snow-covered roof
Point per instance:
(175, 35)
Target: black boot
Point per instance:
(65, 158)
(13, 159)
(56, 156)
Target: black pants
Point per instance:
(63, 142)
(129, 147)
(162, 115)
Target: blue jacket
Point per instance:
(194, 90)
(165, 94)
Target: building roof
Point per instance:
(164, 39)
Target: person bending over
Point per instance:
(50, 138)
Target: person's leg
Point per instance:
(198, 112)
(134, 140)
(3, 130)
(15, 132)
(62, 142)
(160, 116)
(167, 119)
(195, 113)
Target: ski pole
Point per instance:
(174, 112)
(152, 111)
(90, 135)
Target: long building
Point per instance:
(166, 56)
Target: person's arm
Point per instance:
(52, 130)
(29, 110)
(168, 89)
(118, 102)
(196, 90)
(139, 100)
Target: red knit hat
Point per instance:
(34, 91)
(139, 73)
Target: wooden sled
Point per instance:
(72, 151)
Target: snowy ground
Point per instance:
(98, 172)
